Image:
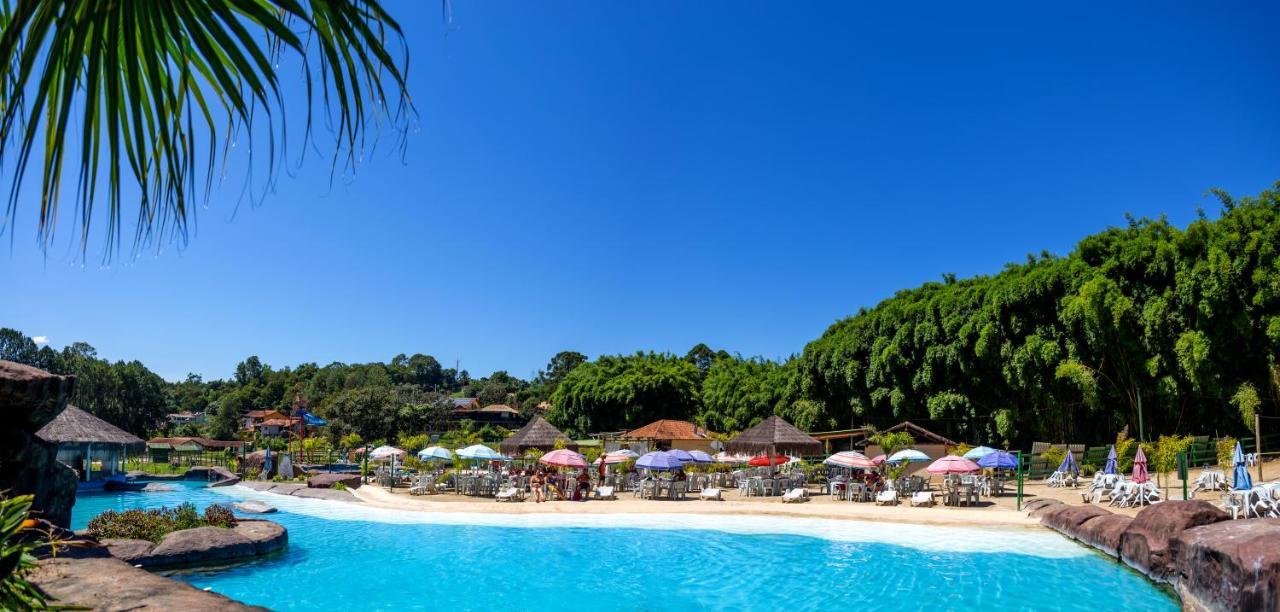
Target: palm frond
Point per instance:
(155, 92)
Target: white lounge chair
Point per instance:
(887, 496)
(605, 493)
(922, 498)
(711, 493)
(508, 494)
(795, 495)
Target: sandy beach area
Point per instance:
(991, 512)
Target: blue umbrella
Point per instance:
(701, 457)
(978, 453)
(1242, 480)
(1069, 464)
(435, 452)
(1111, 462)
(659, 460)
(910, 455)
(682, 455)
(480, 451)
(999, 460)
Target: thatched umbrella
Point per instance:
(774, 435)
(539, 434)
(78, 433)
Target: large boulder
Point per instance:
(1103, 532)
(1230, 565)
(29, 399)
(1039, 502)
(326, 481)
(112, 584)
(203, 545)
(1040, 509)
(1067, 519)
(329, 494)
(253, 507)
(127, 549)
(1144, 544)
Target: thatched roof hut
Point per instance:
(92, 447)
(537, 434)
(74, 425)
(774, 435)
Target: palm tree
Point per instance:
(154, 92)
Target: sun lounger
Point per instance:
(795, 495)
(605, 493)
(922, 498)
(711, 493)
(508, 494)
(887, 496)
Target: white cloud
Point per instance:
(39, 340)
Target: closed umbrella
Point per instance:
(1140, 467)
(1111, 467)
(1243, 482)
(910, 455)
(659, 460)
(563, 458)
(952, 464)
(850, 459)
(975, 454)
(1069, 464)
(266, 463)
(999, 460)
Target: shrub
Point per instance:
(338, 486)
(1226, 448)
(153, 525)
(1053, 457)
(16, 560)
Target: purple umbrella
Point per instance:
(682, 455)
(659, 460)
(1000, 460)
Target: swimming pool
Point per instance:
(351, 557)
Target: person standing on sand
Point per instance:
(604, 469)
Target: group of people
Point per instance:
(565, 486)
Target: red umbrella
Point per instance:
(764, 460)
(1140, 467)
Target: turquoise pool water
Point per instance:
(347, 557)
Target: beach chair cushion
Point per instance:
(795, 495)
(711, 493)
(888, 496)
(507, 494)
(922, 498)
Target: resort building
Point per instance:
(92, 447)
(160, 449)
(186, 418)
(667, 434)
(927, 442)
(501, 415)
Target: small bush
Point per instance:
(1226, 448)
(337, 486)
(153, 525)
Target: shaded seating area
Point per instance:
(768, 439)
(94, 448)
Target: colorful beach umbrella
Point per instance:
(732, 458)
(1243, 482)
(1111, 467)
(563, 457)
(659, 460)
(1069, 464)
(618, 456)
(386, 452)
(482, 452)
(999, 460)
(952, 464)
(910, 455)
(435, 452)
(767, 460)
(850, 459)
(879, 459)
(975, 454)
(701, 457)
(1140, 467)
(682, 455)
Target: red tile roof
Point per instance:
(667, 429)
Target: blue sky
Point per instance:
(616, 176)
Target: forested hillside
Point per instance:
(1174, 330)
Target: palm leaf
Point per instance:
(156, 90)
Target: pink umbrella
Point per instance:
(1140, 467)
(563, 457)
(952, 464)
(850, 459)
(615, 457)
(878, 459)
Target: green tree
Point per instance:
(618, 392)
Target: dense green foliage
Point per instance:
(16, 560)
(1180, 326)
(152, 525)
(1175, 321)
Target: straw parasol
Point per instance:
(774, 435)
(74, 425)
(539, 434)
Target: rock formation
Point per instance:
(29, 399)
(1144, 545)
(249, 538)
(1231, 565)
